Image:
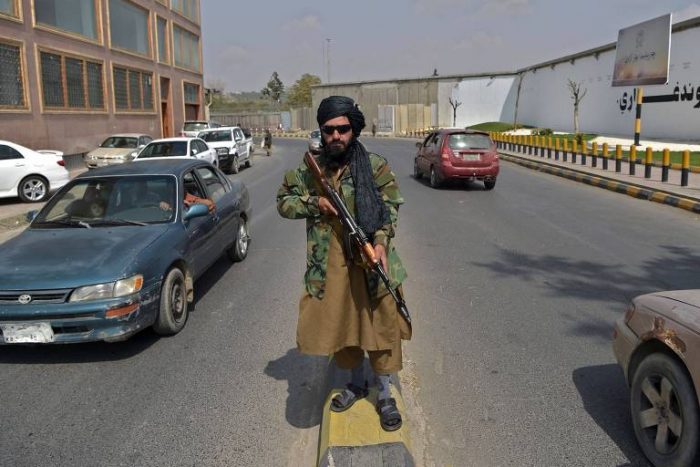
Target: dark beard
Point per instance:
(337, 155)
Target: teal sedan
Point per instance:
(118, 250)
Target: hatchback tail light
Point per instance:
(447, 154)
(61, 162)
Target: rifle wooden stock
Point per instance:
(357, 235)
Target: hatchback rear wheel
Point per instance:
(416, 171)
(434, 180)
(489, 184)
(665, 411)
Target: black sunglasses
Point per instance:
(330, 129)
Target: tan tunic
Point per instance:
(344, 317)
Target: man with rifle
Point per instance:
(352, 302)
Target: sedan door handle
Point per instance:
(20, 165)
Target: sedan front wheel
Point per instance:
(173, 304)
(664, 410)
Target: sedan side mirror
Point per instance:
(419, 145)
(196, 210)
(194, 152)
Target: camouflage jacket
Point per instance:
(297, 198)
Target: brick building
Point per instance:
(73, 72)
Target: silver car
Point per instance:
(117, 149)
(315, 142)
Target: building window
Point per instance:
(133, 90)
(163, 44)
(11, 78)
(191, 97)
(186, 47)
(9, 7)
(128, 27)
(76, 16)
(187, 8)
(71, 83)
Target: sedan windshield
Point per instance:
(119, 142)
(110, 201)
(164, 149)
(195, 126)
(216, 136)
(469, 141)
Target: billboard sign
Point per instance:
(643, 53)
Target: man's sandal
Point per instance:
(389, 415)
(345, 399)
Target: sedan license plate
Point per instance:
(27, 333)
(471, 157)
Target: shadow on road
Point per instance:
(309, 378)
(78, 353)
(675, 268)
(606, 399)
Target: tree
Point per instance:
(300, 93)
(274, 88)
(454, 103)
(577, 95)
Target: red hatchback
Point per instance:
(457, 154)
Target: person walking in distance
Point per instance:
(345, 310)
(267, 140)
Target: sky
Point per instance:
(245, 42)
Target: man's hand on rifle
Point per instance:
(326, 207)
(380, 253)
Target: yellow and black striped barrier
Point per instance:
(606, 155)
(584, 152)
(574, 151)
(648, 162)
(633, 160)
(665, 164)
(594, 154)
(685, 168)
(618, 158)
(638, 119)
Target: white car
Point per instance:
(230, 145)
(181, 148)
(29, 174)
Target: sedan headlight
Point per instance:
(116, 289)
(222, 151)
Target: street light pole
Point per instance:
(328, 60)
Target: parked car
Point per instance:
(168, 148)
(117, 149)
(454, 153)
(134, 249)
(230, 146)
(657, 344)
(31, 175)
(315, 142)
(191, 128)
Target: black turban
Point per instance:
(370, 211)
(341, 106)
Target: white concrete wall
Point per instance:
(545, 100)
(483, 100)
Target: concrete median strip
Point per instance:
(354, 437)
(630, 189)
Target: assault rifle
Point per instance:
(356, 235)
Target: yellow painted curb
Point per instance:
(359, 425)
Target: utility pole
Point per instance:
(328, 60)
